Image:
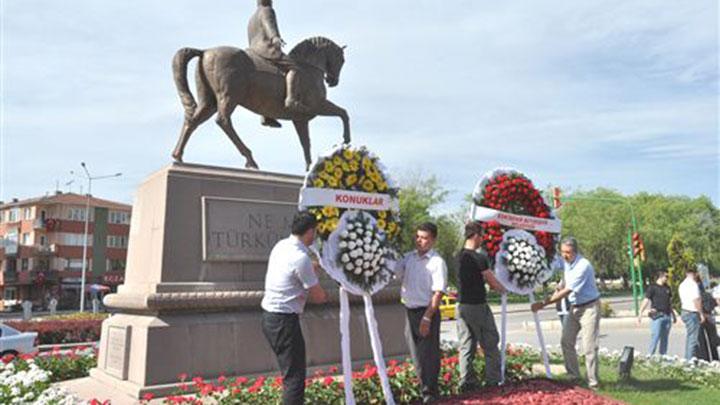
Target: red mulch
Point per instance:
(532, 392)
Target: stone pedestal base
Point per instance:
(199, 241)
(141, 354)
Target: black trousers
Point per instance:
(425, 351)
(707, 342)
(284, 335)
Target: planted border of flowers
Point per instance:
(695, 371)
(27, 378)
(326, 387)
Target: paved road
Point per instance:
(610, 337)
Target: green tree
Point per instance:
(681, 259)
(419, 199)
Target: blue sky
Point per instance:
(618, 94)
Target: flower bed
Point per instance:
(535, 391)
(61, 331)
(27, 378)
(324, 387)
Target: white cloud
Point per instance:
(581, 93)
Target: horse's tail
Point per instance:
(179, 65)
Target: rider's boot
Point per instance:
(270, 122)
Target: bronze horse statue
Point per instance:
(227, 77)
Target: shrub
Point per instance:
(606, 310)
(61, 331)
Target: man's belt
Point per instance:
(585, 303)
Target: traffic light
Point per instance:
(638, 247)
(556, 198)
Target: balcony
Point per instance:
(37, 276)
(38, 223)
(44, 250)
(10, 276)
(11, 249)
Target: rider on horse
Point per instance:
(265, 41)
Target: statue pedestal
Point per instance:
(200, 237)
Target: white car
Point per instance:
(14, 342)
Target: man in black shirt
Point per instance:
(475, 323)
(661, 313)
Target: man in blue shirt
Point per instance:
(584, 314)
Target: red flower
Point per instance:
(332, 370)
(207, 389)
(447, 377)
(182, 376)
(148, 396)
(241, 380)
(328, 381)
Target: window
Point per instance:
(27, 213)
(11, 266)
(13, 215)
(74, 239)
(116, 264)
(74, 264)
(117, 241)
(117, 217)
(76, 214)
(43, 240)
(10, 293)
(2, 217)
(25, 239)
(42, 264)
(24, 264)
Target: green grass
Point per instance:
(649, 388)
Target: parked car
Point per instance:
(448, 307)
(14, 342)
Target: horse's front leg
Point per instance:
(301, 127)
(328, 109)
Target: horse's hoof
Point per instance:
(177, 158)
(251, 165)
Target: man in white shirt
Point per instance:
(692, 314)
(289, 282)
(424, 281)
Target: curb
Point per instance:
(606, 323)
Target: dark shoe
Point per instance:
(270, 122)
(429, 400)
(466, 388)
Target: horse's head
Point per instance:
(335, 61)
(322, 53)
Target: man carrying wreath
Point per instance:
(584, 315)
(424, 280)
(475, 322)
(291, 280)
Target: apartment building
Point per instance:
(41, 248)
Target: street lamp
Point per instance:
(87, 223)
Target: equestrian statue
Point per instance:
(263, 79)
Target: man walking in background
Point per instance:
(659, 296)
(692, 313)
